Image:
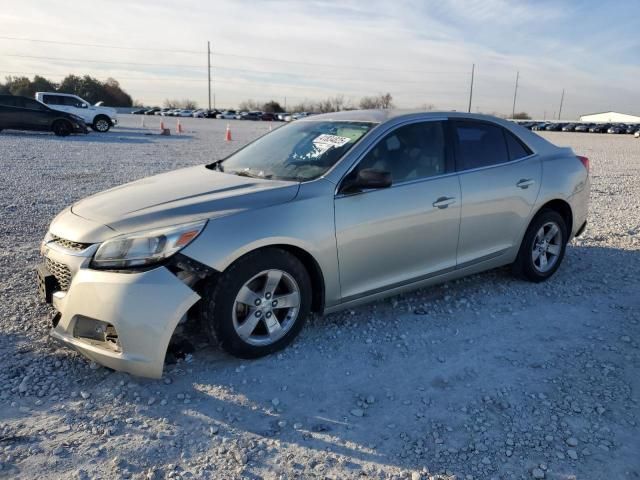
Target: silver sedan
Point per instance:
(325, 213)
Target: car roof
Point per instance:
(381, 116)
(57, 93)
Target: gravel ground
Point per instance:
(487, 377)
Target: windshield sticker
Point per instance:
(330, 141)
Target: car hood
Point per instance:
(180, 196)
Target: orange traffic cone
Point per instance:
(270, 126)
(161, 126)
(179, 127)
(227, 136)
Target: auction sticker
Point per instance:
(332, 140)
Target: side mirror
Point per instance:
(366, 179)
(84, 105)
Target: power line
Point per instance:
(233, 55)
(218, 67)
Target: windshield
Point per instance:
(300, 151)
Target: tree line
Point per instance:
(89, 88)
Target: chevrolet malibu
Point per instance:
(328, 212)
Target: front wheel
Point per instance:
(62, 128)
(101, 124)
(543, 247)
(259, 304)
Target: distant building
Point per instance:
(609, 117)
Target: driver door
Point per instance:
(395, 236)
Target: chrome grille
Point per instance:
(68, 244)
(61, 272)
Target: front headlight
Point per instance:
(145, 248)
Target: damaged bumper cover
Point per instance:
(123, 321)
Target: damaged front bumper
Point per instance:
(122, 320)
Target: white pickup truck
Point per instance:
(100, 118)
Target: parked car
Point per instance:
(637, 134)
(583, 127)
(268, 117)
(23, 113)
(281, 116)
(100, 118)
(251, 116)
(540, 127)
(617, 129)
(424, 198)
(554, 127)
(161, 112)
(139, 111)
(600, 128)
(152, 111)
(184, 113)
(632, 128)
(227, 115)
(569, 127)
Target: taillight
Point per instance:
(585, 162)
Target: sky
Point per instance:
(421, 52)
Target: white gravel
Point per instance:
(488, 377)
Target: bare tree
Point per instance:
(249, 105)
(382, 101)
(185, 104)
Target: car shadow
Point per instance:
(420, 379)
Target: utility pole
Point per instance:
(209, 69)
(473, 68)
(515, 93)
(561, 101)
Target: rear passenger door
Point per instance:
(499, 180)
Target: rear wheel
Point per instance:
(62, 128)
(259, 304)
(543, 247)
(101, 124)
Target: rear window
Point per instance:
(516, 148)
(479, 144)
(51, 99)
(8, 101)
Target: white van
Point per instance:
(100, 118)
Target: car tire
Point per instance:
(543, 247)
(260, 326)
(101, 124)
(62, 128)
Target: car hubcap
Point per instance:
(546, 247)
(266, 307)
(102, 125)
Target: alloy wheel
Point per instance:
(547, 246)
(102, 125)
(266, 307)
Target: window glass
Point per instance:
(410, 152)
(32, 104)
(71, 102)
(8, 101)
(51, 99)
(479, 145)
(516, 148)
(299, 151)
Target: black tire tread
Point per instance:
(213, 295)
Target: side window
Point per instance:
(410, 152)
(8, 101)
(516, 148)
(71, 102)
(51, 99)
(32, 104)
(479, 144)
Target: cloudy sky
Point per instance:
(419, 51)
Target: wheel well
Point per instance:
(315, 274)
(99, 116)
(564, 209)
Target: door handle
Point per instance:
(444, 202)
(525, 183)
